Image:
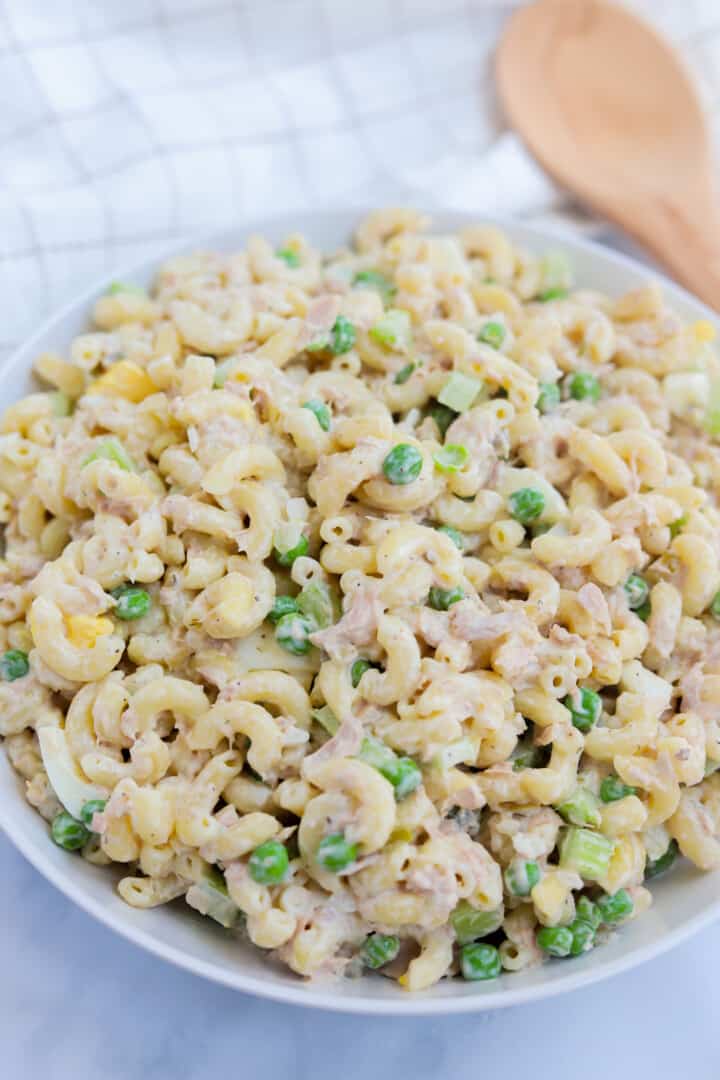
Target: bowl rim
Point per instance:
(329, 999)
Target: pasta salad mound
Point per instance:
(370, 601)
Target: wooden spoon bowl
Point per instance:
(607, 107)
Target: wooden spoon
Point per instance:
(606, 106)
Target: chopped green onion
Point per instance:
(616, 907)
(637, 591)
(131, 602)
(403, 464)
(282, 605)
(288, 256)
(451, 458)
(379, 949)
(455, 535)
(90, 808)
(479, 962)
(589, 912)
(580, 808)
(111, 449)
(288, 557)
(549, 397)
(14, 665)
(586, 852)
(442, 599)
(321, 411)
(269, 863)
(326, 718)
(393, 331)
(373, 279)
(404, 373)
(715, 606)
(317, 602)
(583, 386)
(470, 924)
(583, 937)
(555, 940)
(117, 287)
(442, 415)
(585, 707)
(492, 333)
(521, 876)
(459, 392)
(68, 832)
(663, 863)
(612, 789)
(526, 504)
(293, 633)
(334, 853)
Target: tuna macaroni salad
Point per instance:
(369, 601)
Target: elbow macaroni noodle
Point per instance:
(221, 447)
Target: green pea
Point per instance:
(403, 774)
(521, 876)
(455, 535)
(612, 789)
(470, 924)
(321, 412)
(556, 293)
(616, 907)
(555, 940)
(492, 333)
(13, 665)
(589, 912)
(443, 416)
(526, 504)
(358, 670)
(269, 863)
(715, 606)
(637, 591)
(132, 602)
(68, 832)
(442, 599)
(373, 279)
(293, 633)
(664, 862)
(287, 558)
(583, 937)
(583, 386)
(283, 605)
(403, 464)
(334, 853)
(480, 961)
(404, 374)
(585, 708)
(89, 809)
(342, 336)
(379, 949)
(289, 256)
(548, 398)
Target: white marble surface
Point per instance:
(79, 1003)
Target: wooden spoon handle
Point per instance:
(686, 238)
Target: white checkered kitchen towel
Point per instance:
(127, 124)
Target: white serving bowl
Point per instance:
(685, 900)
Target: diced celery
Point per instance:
(210, 897)
(374, 752)
(117, 287)
(586, 852)
(470, 924)
(326, 718)
(711, 422)
(393, 330)
(581, 808)
(317, 602)
(459, 392)
(111, 449)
